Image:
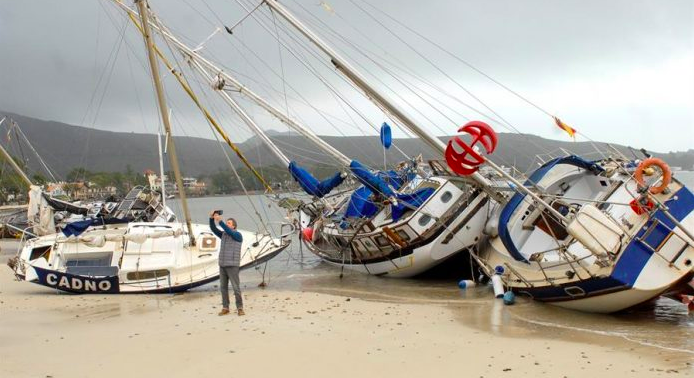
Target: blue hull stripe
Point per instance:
(632, 261)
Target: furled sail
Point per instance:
(371, 180)
(312, 185)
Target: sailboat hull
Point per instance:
(655, 255)
(461, 231)
(129, 262)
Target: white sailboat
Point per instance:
(138, 257)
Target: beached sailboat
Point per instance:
(631, 247)
(403, 227)
(618, 240)
(594, 235)
(137, 257)
(397, 223)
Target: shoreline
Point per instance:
(308, 329)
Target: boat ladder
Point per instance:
(657, 235)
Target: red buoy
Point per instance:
(468, 160)
(307, 233)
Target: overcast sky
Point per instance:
(617, 70)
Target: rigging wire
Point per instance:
(359, 50)
(31, 147)
(320, 77)
(262, 61)
(265, 225)
(474, 68)
(112, 59)
(217, 138)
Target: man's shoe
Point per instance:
(224, 311)
(241, 312)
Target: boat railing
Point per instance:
(282, 227)
(24, 232)
(25, 235)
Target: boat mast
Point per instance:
(211, 67)
(305, 132)
(162, 183)
(380, 99)
(13, 163)
(163, 109)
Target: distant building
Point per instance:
(55, 189)
(80, 190)
(192, 185)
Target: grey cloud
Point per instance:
(563, 54)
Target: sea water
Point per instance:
(666, 330)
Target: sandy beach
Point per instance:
(287, 332)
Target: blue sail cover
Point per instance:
(370, 180)
(413, 200)
(77, 228)
(396, 179)
(517, 198)
(310, 184)
(392, 178)
(359, 205)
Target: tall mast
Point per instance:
(162, 184)
(13, 163)
(186, 87)
(279, 114)
(352, 74)
(163, 109)
(303, 130)
(360, 81)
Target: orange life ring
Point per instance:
(667, 174)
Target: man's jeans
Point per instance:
(226, 274)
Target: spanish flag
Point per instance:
(569, 130)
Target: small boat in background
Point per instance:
(13, 219)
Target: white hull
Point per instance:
(154, 261)
(433, 253)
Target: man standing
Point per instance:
(229, 260)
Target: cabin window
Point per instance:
(424, 220)
(40, 252)
(147, 274)
(382, 241)
(103, 259)
(446, 196)
(403, 235)
(209, 243)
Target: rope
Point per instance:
(184, 84)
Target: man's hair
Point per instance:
(233, 220)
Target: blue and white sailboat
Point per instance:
(594, 235)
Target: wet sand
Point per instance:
(297, 330)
